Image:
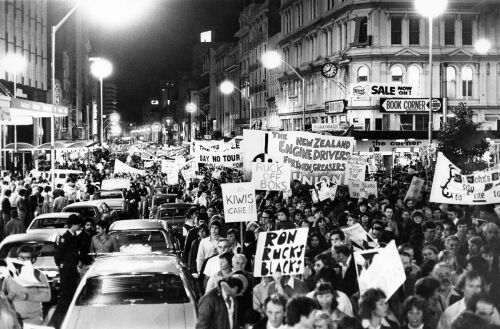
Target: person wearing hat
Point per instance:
(67, 259)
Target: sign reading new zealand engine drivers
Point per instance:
(410, 104)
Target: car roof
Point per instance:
(169, 195)
(126, 264)
(136, 224)
(50, 236)
(85, 203)
(57, 215)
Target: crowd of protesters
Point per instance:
(450, 254)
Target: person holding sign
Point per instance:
(27, 299)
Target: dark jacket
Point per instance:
(212, 311)
(67, 251)
(349, 283)
(6, 207)
(84, 241)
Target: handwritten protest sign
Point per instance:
(359, 189)
(171, 168)
(219, 156)
(281, 251)
(380, 268)
(271, 176)
(313, 157)
(360, 239)
(355, 169)
(239, 202)
(415, 189)
(188, 171)
(450, 186)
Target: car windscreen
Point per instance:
(147, 288)
(162, 199)
(111, 195)
(173, 211)
(42, 248)
(51, 222)
(84, 211)
(155, 239)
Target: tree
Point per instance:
(461, 141)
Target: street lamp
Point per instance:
(15, 64)
(191, 108)
(271, 60)
(101, 68)
(227, 87)
(430, 9)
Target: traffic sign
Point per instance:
(410, 104)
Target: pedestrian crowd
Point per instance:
(450, 254)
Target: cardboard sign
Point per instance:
(360, 239)
(355, 169)
(415, 189)
(380, 268)
(281, 251)
(359, 189)
(313, 157)
(326, 190)
(239, 202)
(451, 187)
(271, 176)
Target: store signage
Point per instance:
(387, 90)
(325, 126)
(37, 109)
(293, 98)
(337, 106)
(410, 104)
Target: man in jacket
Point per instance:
(218, 309)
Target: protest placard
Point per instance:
(224, 156)
(358, 189)
(360, 239)
(271, 176)
(239, 202)
(24, 274)
(415, 189)
(326, 190)
(121, 167)
(451, 187)
(313, 157)
(380, 268)
(188, 171)
(281, 251)
(355, 169)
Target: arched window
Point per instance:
(451, 82)
(363, 74)
(414, 76)
(397, 74)
(466, 81)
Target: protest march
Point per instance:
(258, 231)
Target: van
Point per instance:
(62, 175)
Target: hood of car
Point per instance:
(151, 316)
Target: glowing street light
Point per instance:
(482, 46)
(101, 68)
(115, 118)
(430, 9)
(271, 60)
(227, 87)
(192, 108)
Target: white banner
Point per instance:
(239, 202)
(359, 189)
(271, 176)
(313, 157)
(225, 156)
(380, 268)
(449, 186)
(281, 251)
(120, 167)
(415, 189)
(355, 169)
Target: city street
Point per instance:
(265, 164)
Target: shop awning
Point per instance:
(25, 108)
(46, 146)
(20, 147)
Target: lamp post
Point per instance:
(271, 60)
(227, 87)
(430, 9)
(15, 64)
(100, 68)
(191, 108)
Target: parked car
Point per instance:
(55, 221)
(134, 291)
(45, 246)
(97, 209)
(112, 191)
(150, 232)
(173, 213)
(159, 199)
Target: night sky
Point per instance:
(159, 46)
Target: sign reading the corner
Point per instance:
(410, 104)
(387, 90)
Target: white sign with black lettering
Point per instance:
(239, 202)
(409, 104)
(271, 176)
(358, 189)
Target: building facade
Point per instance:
(110, 98)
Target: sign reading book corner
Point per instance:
(239, 202)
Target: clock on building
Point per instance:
(329, 70)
